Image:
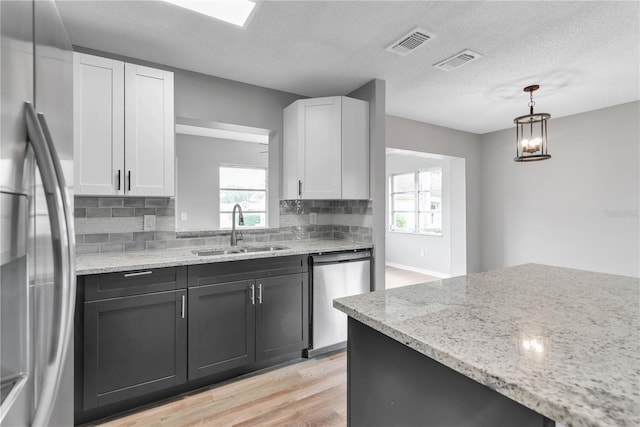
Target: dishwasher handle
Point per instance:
(335, 258)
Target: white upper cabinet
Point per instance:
(326, 149)
(149, 131)
(123, 128)
(98, 115)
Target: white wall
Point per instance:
(579, 209)
(430, 254)
(423, 137)
(197, 178)
(444, 255)
(458, 217)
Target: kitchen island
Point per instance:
(527, 345)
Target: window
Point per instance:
(416, 202)
(246, 186)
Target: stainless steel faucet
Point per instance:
(234, 237)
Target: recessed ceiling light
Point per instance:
(235, 12)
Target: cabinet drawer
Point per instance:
(221, 272)
(137, 282)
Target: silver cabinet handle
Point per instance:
(63, 239)
(259, 293)
(183, 306)
(138, 273)
(253, 295)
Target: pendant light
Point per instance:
(531, 133)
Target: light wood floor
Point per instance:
(396, 277)
(309, 393)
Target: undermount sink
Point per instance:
(206, 252)
(264, 248)
(239, 250)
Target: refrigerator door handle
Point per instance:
(62, 236)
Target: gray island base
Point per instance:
(390, 384)
(501, 348)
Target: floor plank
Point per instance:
(396, 277)
(308, 393)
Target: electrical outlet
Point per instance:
(313, 218)
(149, 223)
(183, 216)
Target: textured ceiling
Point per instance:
(585, 55)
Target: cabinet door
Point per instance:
(133, 346)
(282, 315)
(320, 154)
(149, 131)
(98, 114)
(221, 327)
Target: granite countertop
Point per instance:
(113, 262)
(563, 342)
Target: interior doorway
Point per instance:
(425, 217)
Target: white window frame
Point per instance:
(265, 190)
(416, 210)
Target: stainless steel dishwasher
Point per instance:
(333, 276)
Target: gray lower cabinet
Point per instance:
(133, 346)
(221, 327)
(282, 317)
(238, 323)
(148, 334)
(134, 334)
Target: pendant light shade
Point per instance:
(531, 133)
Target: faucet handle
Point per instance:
(240, 236)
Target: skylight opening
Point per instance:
(235, 12)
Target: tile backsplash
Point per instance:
(115, 224)
(347, 219)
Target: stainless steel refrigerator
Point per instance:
(37, 279)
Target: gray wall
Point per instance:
(208, 98)
(197, 177)
(423, 137)
(375, 93)
(579, 209)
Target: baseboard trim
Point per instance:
(418, 270)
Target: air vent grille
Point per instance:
(409, 42)
(457, 60)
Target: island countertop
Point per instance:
(114, 262)
(563, 342)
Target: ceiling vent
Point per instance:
(410, 42)
(457, 60)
